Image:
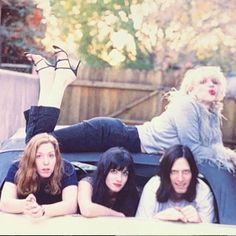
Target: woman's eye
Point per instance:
(113, 170)
(186, 172)
(51, 155)
(203, 81)
(215, 82)
(173, 172)
(126, 172)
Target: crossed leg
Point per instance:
(53, 79)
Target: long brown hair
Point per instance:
(27, 178)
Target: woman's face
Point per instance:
(206, 90)
(116, 179)
(180, 176)
(45, 160)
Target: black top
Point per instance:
(69, 178)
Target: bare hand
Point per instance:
(232, 156)
(191, 214)
(30, 198)
(32, 208)
(119, 214)
(233, 159)
(173, 214)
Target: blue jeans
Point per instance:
(94, 135)
(223, 186)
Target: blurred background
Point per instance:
(142, 34)
(132, 51)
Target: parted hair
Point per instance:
(127, 199)
(27, 178)
(166, 190)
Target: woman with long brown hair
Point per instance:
(40, 183)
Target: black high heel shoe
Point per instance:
(72, 67)
(45, 65)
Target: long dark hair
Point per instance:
(127, 199)
(166, 190)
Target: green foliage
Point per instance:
(21, 30)
(88, 16)
(140, 34)
(102, 9)
(170, 32)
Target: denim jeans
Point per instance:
(223, 185)
(94, 135)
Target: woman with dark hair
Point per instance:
(177, 194)
(111, 189)
(41, 183)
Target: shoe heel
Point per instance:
(75, 66)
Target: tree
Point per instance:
(147, 34)
(21, 30)
(159, 34)
(106, 32)
(196, 31)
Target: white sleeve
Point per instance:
(148, 203)
(205, 203)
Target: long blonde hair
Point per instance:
(27, 178)
(193, 76)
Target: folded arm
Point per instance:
(9, 201)
(89, 208)
(68, 205)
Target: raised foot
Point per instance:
(64, 62)
(38, 61)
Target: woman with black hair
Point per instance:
(177, 194)
(111, 189)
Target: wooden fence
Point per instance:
(115, 93)
(17, 92)
(131, 95)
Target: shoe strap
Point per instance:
(66, 59)
(68, 68)
(59, 51)
(61, 67)
(36, 63)
(45, 67)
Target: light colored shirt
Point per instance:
(149, 206)
(186, 122)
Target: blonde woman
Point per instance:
(192, 118)
(40, 183)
